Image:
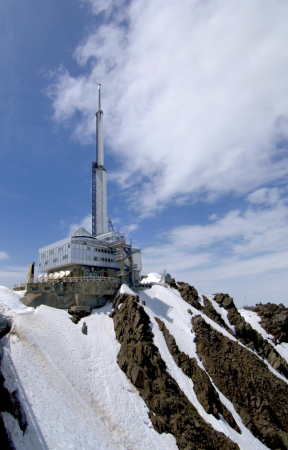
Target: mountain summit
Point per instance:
(166, 369)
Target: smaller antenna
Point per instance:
(245, 302)
(110, 225)
(99, 96)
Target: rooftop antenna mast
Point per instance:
(245, 301)
(99, 196)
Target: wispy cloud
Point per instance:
(4, 255)
(242, 244)
(12, 274)
(86, 223)
(195, 97)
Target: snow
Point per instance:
(222, 311)
(74, 393)
(282, 349)
(254, 320)
(151, 278)
(173, 311)
(10, 304)
(124, 289)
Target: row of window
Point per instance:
(96, 258)
(111, 252)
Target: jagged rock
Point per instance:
(274, 320)
(188, 293)
(84, 328)
(10, 402)
(5, 326)
(250, 337)
(139, 358)
(172, 283)
(210, 311)
(206, 393)
(77, 315)
(259, 397)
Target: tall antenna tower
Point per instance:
(99, 195)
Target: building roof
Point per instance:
(81, 232)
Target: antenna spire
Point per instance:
(99, 96)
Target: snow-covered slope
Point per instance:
(73, 391)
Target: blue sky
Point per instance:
(195, 100)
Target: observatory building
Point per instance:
(84, 270)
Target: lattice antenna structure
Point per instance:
(99, 195)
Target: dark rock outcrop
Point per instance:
(205, 391)
(188, 293)
(250, 337)
(139, 358)
(5, 326)
(274, 320)
(84, 328)
(259, 397)
(9, 402)
(211, 312)
(77, 315)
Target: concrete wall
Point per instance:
(62, 295)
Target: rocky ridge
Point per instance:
(237, 370)
(259, 397)
(274, 320)
(9, 401)
(205, 391)
(250, 337)
(170, 410)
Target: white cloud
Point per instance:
(4, 255)
(239, 247)
(86, 223)
(265, 196)
(10, 275)
(195, 95)
(256, 230)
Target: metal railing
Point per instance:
(67, 280)
(19, 285)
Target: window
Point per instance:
(68, 245)
(88, 257)
(88, 248)
(46, 262)
(60, 249)
(50, 252)
(55, 259)
(95, 258)
(102, 259)
(65, 256)
(39, 264)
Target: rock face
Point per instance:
(259, 397)
(9, 402)
(205, 391)
(250, 337)
(210, 312)
(274, 320)
(170, 410)
(188, 293)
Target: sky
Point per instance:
(195, 101)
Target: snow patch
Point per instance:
(124, 289)
(254, 320)
(151, 278)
